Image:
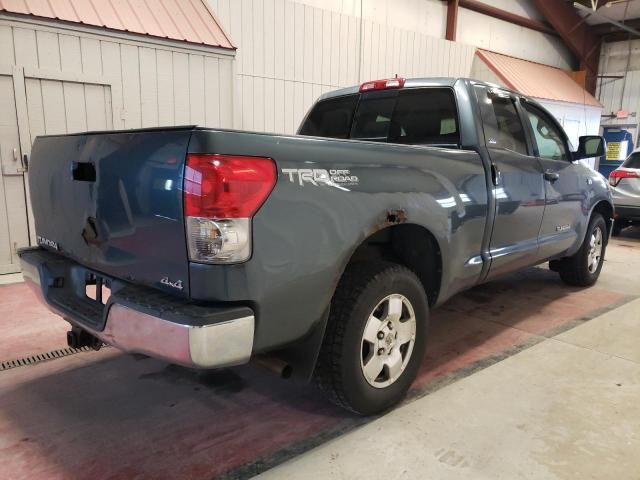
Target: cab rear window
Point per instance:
(331, 118)
(420, 116)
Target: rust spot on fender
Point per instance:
(392, 217)
(395, 217)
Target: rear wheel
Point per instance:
(583, 268)
(375, 338)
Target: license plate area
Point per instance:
(97, 288)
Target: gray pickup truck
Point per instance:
(320, 254)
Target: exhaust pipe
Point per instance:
(274, 365)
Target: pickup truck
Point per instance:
(320, 254)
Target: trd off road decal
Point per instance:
(320, 176)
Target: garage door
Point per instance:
(42, 106)
(14, 230)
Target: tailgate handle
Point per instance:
(84, 172)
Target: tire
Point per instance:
(352, 346)
(583, 269)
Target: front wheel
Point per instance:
(583, 268)
(375, 338)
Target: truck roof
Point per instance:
(413, 83)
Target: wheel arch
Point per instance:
(408, 244)
(606, 209)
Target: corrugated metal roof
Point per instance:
(186, 20)
(536, 80)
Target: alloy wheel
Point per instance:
(387, 340)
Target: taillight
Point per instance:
(382, 84)
(221, 195)
(617, 175)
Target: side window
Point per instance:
(413, 116)
(502, 125)
(548, 137)
(425, 116)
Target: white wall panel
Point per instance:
(620, 59)
(153, 85)
(148, 87)
(212, 108)
(6, 44)
(620, 94)
(503, 37)
(294, 51)
(13, 228)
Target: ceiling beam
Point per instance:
(494, 12)
(607, 28)
(616, 37)
(452, 20)
(576, 34)
(605, 18)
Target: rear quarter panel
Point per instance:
(304, 234)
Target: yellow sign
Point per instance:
(613, 150)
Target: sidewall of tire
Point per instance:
(597, 221)
(574, 270)
(363, 397)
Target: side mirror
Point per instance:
(589, 146)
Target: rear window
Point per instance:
(632, 161)
(331, 118)
(426, 116)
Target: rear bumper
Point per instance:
(628, 212)
(142, 320)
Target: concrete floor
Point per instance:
(565, 408)
(524, 377)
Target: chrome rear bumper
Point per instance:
(217, 345)
(224, 339)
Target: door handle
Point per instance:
(551, 176)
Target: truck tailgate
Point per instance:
(112, 201)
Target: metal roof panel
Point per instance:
(39, 7)
(536, 80)
(184, 20)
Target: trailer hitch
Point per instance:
(78, 338)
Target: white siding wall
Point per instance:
(622, 93)
(503, 37)
(152, 85)
(291, 51)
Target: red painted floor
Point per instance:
(105, 415)
(27, 326)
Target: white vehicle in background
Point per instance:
(625, 185)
